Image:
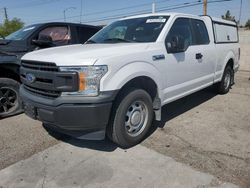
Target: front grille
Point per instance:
(45, 67)
(42, 92)
(46, 79)
(41, 66)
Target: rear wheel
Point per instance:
(131, 119)
(10, 103)
(224, 85)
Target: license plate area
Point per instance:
(30, 110)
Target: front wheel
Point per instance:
(10, 103)
(224, 85)
(131, 119)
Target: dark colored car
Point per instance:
(27, 39)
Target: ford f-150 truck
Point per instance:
(27, 39)
(116, 84)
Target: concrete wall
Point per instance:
(245, 50)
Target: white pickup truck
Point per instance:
(117, 82)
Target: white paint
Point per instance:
(176, 76)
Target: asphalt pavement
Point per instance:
(202, 141)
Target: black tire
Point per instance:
(224, 85)
(141, 115)
(10, 103)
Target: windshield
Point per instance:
(145, 29)
(21, 34)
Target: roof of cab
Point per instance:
(159, 14)
(179, 14)
(67, 23)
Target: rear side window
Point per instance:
(200, 32)
(60, 35)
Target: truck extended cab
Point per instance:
(27, 39)
(117, 82)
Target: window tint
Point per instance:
(60, 34)
(182, 29)
(84, 33)
(200, 32)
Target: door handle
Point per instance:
(198, 56)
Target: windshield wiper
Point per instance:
(90, 42)
(118, 40)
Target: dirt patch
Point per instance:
(209, 132)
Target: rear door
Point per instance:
(190, 70)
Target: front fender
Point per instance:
(9, 60)
(116, 79)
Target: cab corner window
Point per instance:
(200, 32)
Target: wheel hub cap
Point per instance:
(136, 118)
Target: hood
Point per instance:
(86, 54)
(13, 46)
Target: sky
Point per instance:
(105, 11)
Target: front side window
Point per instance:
(145, 29)
(60, 35)
(200, 32)
(180, 32)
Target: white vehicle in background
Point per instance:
(117, 82)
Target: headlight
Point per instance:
(89, 79)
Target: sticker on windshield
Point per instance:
(29, 28)
(156, 20)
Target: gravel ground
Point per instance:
(209, 132)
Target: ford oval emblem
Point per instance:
(30, 78)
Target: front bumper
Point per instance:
(70, 114)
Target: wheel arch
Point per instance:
(10, 71)
(139, 76)
(229, 60)
(117, 79)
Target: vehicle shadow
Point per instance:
(100, 145)
(181, 106)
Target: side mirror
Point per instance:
(176, 45)
(44, 41)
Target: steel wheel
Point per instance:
(136, 118)
(131, 117)
(227, 80)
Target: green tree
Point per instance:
(228, 16)
(248, 24)
(10, 26)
